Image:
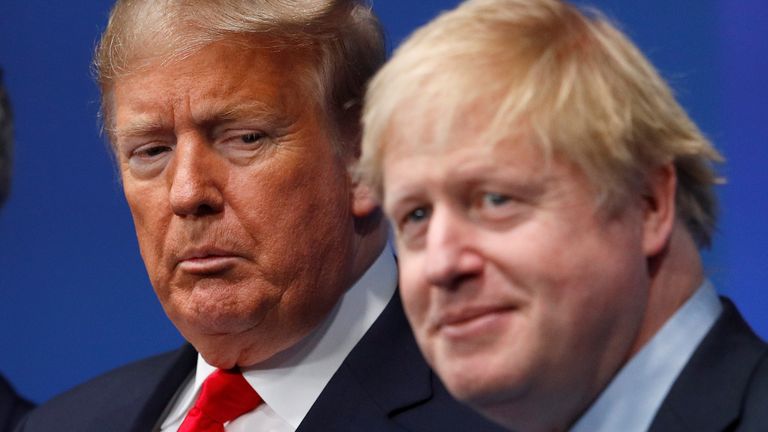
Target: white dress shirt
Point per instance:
(633, 397)
(291, 381)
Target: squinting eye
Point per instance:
(148, 153)
(252, 137)
(149, 159)
(153, 151)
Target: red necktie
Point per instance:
(225, 396)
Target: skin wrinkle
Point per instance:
(554, 306)
(527, 306)
(289, 212)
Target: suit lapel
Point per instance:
(168, 378)
(383, 375)
(129, 399)
(384, 384)
(708, 394)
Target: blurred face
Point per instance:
(241, 205)
(521, 294)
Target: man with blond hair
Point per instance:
(233, 123)
(549, 198)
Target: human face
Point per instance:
(240, 202)
(523, 295)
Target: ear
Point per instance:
(364, 201)
(659, 210)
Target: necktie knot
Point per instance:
(225, 396)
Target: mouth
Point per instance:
(207, 261)
(473, 320)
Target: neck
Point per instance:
(371, 241)
(675, 276)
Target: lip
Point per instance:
(207, 260)
(473, 320)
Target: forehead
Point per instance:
(441, 113)
(222, 78)
(461, 162)
(465, 160)
(431, 127)
(459, 148)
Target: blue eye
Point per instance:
(417, 215)
(413, 225)
(495, 199)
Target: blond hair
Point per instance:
(577, 86)
(341, 39)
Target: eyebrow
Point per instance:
(243, 110)
(147, 125)
(139, 126)
(240, 111)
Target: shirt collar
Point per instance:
(633, 397)
(291, 381)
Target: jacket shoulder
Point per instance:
(727, 369)
(12, 406)
(385, 385)
(118, 400)
(754, 416)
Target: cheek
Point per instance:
(292, 189)
(582, 295)
(150, 221)
(414, 290)
(296, 219)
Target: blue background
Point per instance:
(74, 296)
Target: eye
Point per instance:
(241, 144)
(149, 159)
(150, 151)
(495, 207)
(242, 137)
(495, 199)
(416, 215)
(413, 224)
(251, 137)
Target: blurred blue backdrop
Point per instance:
(74, 296)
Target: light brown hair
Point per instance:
(567, 79)
(342, 39)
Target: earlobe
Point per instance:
(364, 202)
(659, 209)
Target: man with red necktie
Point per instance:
(233, 124)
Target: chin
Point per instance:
(467, 388)
(216, 315)
(244, 348)
(460, 379)
(225, 323)
(478, 381)
(220, 338)
(228, 351)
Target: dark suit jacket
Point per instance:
(383, 385)
(724, 386)
(12, 406)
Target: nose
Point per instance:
(195, 187)
(452, 256)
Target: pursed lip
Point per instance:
(206, 260)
